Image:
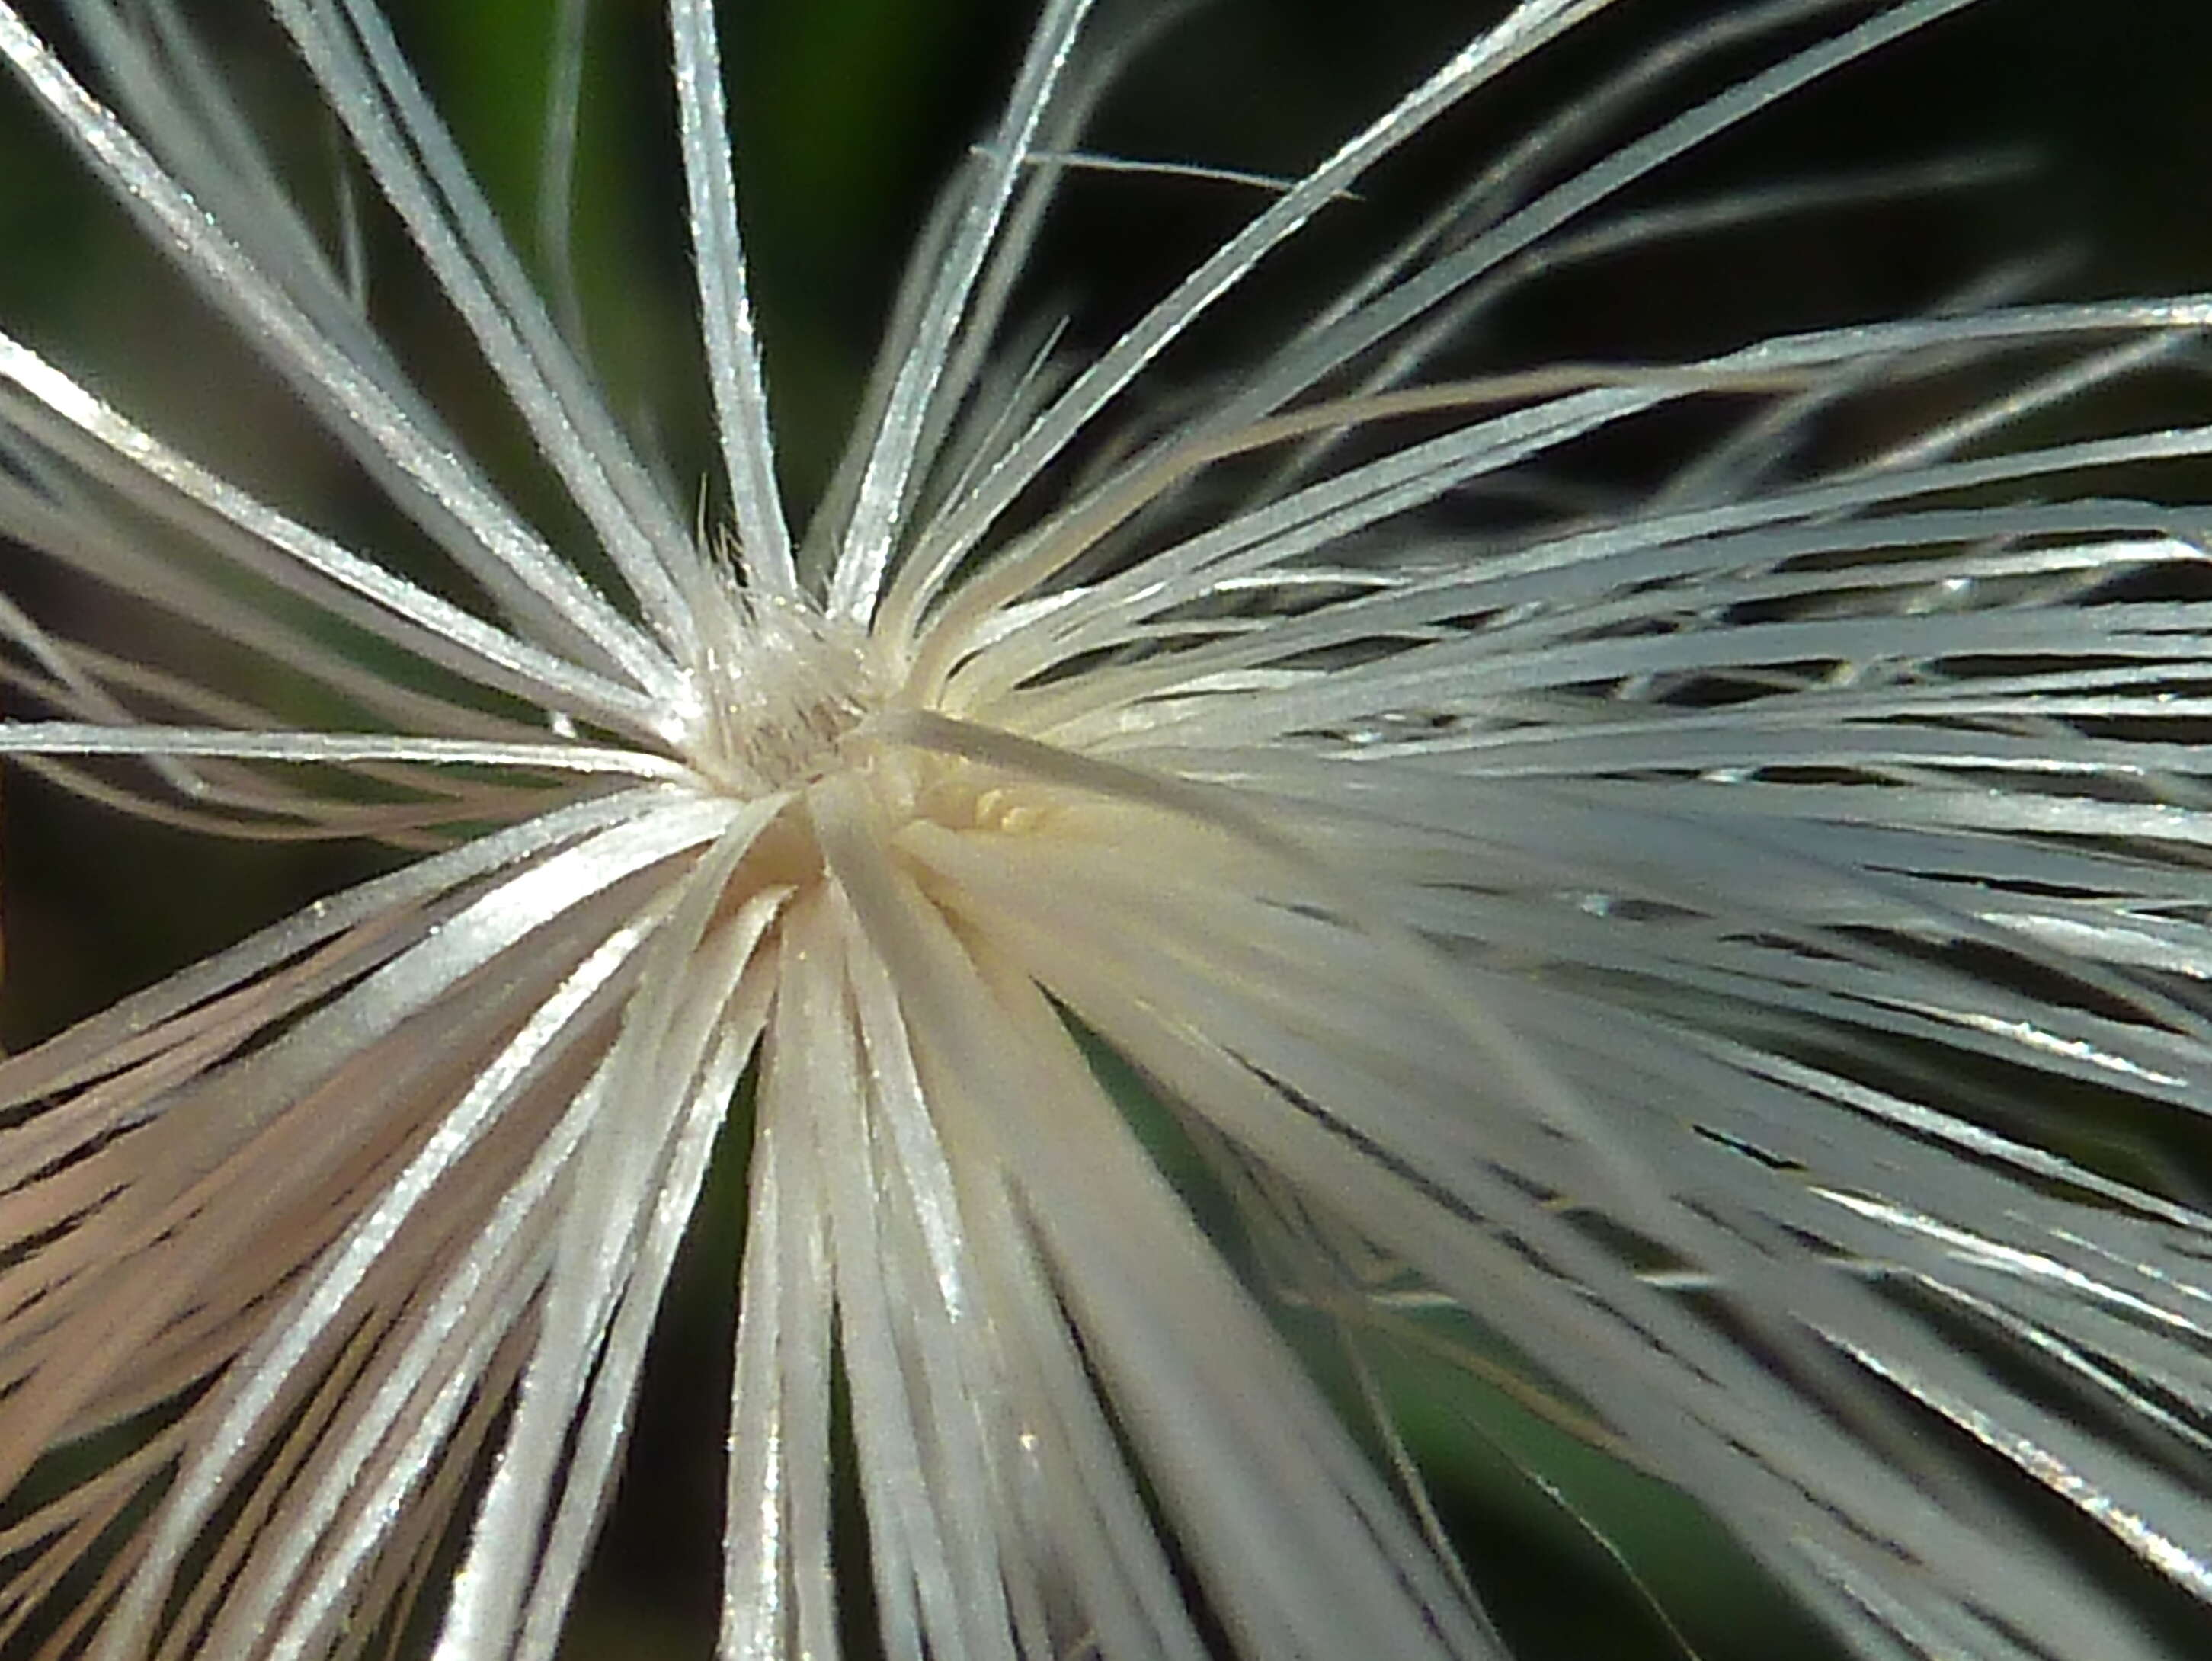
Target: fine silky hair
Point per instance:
(1506, 800)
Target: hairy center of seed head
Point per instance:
(781, 686)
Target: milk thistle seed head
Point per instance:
(1210, 912)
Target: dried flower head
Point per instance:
(1187, 908)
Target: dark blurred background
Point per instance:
(849, 113)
